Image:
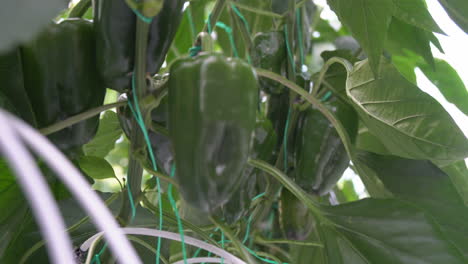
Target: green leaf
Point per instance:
(422, 183)
(21, 20)
(458, 174)
(384, 231)
(368, 21)
(415, 12)
(96, 167)
(409, 122)
(449, 83)
(458, 11)
(403, 37)
(368, 141)
(13, 205)
(108, 132)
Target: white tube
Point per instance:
(228, 257)
(81, 190)
(37, 192)
(202, 260)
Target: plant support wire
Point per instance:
(75, 182)
(37, 192)
(228, 257)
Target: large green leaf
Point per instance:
(458, 11)
(21, 20)
(108, 132)
(384, 231)
(409, 122)
(449, 83)
(368, 21)
(458, 173)
(415, 12)
(402, 37)
(424, 184)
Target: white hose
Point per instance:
(81, 190)
(228, 257)
(37, 192)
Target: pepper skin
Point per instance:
(12, 85)
(212, 113)
(61, 80)
(321, 157)
(263, 147)
(115, 25)
(296, 221)
(269, 53)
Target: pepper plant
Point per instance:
(217, 131)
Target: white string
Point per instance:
(37, 192)
(81, 190)
(228, 257)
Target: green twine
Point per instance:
(299, 35)
(222, 245)
(174, 208)
(326, 96)
(97, 258)
(258, 196)
(290, 55)
(193, 51)
(139, 118)
(192, 25)
(143, 18)
(239, 14)
(247, 230)
(230, 35)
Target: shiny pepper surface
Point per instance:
(61, 79)
(320, 153)
(212, 111)
(269, 53)
(115, 25)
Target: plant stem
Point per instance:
(79, 117)
(215, 14)
(80, 9)
(135, 170)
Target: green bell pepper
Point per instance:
(212, 113)
(320, 155)
(12, 86)
(115, 25)
(61, 80)
(269, 53)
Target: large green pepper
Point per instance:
(321, 157)
(115, 25)
(12, 85)
(212, 112)
(263, 147)
(61, 79)
(269, 53)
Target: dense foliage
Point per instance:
(233, 121)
